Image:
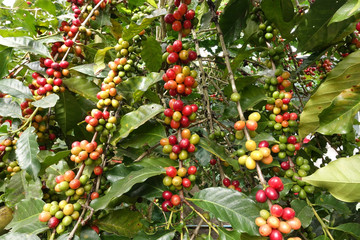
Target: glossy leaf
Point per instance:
(19, 236)
(67, 111)
(9, 108)
(5, 56)
(88, 69)
(233, 19)
(19, 188)
(89, 234)
(123, 222)
(343, 76)
(122, 186)
(46, 102)
(15, 88)
(99, 59)
(26, 151)
(26, 44)
(241, 83)
(160, 235)
(155, 162)
(51, 158)
(225, 234)
(133, 88)
(47, 5)
(82, 86)
(135, 119)
(338, 118)
(315, 33)
(150, 134)
(229, 206)
(350, 8)
(303, 212)
(152, 54)
(218, 151)
(26, 217)
(351, 228)
(281, 13)
(329, 202)
(251, 95)
(65, 237)
(134, 29)
(340, 177)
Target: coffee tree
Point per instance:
(179, 119)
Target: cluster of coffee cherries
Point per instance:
(85, 152)
(101, 122)
(11, 169)
(108, 96)
(181, 19)
(180, 150)
(59, 215)
(179, 52)
(278, 222)
(287, 146)
(232, 184)
(251, 124)
(26, 108)
(260, 152)
(7, 145)
(279, 82)
(179, 115)
(42, 124)
(271, 192)
(299, 188)
(41, 86)
(71, 186)
(283, 122)
(128, 63)
(180, 80)
(176, 178)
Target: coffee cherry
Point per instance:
(273, 222)
(171, 171)
(213, 161)
(288, 213)
(276, 210)
(260, 196)
(186, 183)
(265, 230)
(275, 235)
(276, 183)
(175, 200)
(165, 205)
(44, 216)
(98, 170)
(53, 222)
(294, 223)
(271, 193)
(284, 227)
(167, 195)
(94, 195)
(226, 182)
(192, 170)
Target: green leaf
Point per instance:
(51, 158)
(15, 88)
(240, 83)
(26, 217)
(46, 102)
(26, 44)
(26, 151)
(123, 222)
(229, 206)
(152, 54)
(9, 108)
(225, 234)
(89, 234)
(67, 111)
(233, 19)
(340, 177)
(99, 59)
(19, 188)
(155, 162)
(280, 12)
(150, 134)
(251, 95)
(5, 56)
(152, 3)
(133, 88)
(338, 118)
(133, 120)
(88, 69)
(65, 237)
(19, 236)
(134, 29)
(349, 9)
(46, 5)
(343, 76)
(315, 33)
(303, 212)
(83, 87)
(160, 235)
(122, 186)
(119, 172)
(329, 202)
(218, 151)
(351, 228)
